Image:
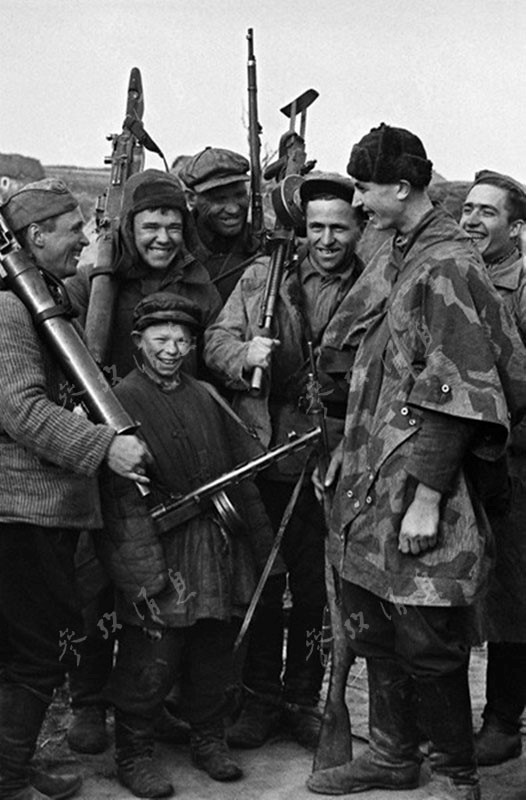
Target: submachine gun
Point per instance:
(288, 172)
(179, 509)
(126, 159)
(51, 318)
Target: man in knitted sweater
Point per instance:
(50, 456)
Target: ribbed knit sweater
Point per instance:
(49, 455)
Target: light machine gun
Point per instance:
(254, 133)
(288, 171)
(126, 159)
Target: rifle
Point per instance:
(288, 171)
(179, 509)
(34, 288)
(335, 742)
(254, 133)
(126, 159)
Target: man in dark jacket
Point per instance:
(151, 255)
(493, 215)
(50, 456)
(217, 180)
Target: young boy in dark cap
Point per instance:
(431, 382)
(177, 593)
(217, 180)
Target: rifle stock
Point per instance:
(335, 742)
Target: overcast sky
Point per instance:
(452, 71)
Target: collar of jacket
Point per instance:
(509, 273)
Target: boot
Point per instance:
(259, 720)
(499, 738)
(303, 723)
(494, 743)
(444, 707)
(303, 678)
(87, 732)
(443, 788)
(393, 759)
(171, 729)
(53, 785)
(210, 752)
(21, 716)
(136, 769)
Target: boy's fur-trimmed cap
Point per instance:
(387, 155)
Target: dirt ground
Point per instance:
(276, 771)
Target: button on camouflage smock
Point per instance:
(436, 337)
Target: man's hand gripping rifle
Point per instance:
(126, 159)
(288, 171)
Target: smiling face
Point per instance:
(381, 202)
(163, 347)
(158, 236)
(485, 218)
(60, 243)
(332, 231)
(224, 208)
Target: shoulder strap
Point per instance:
(212, 391)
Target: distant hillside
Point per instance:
(85, 182)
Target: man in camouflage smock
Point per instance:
(429, 384)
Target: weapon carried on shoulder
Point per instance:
(288, 171)
(335, 742)
(126, 159)
(51, 318)
(174, 512)
(254, 133)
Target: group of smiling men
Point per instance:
(419, 330)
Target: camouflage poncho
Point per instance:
(437, 337)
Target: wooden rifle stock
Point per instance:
(335, 742)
